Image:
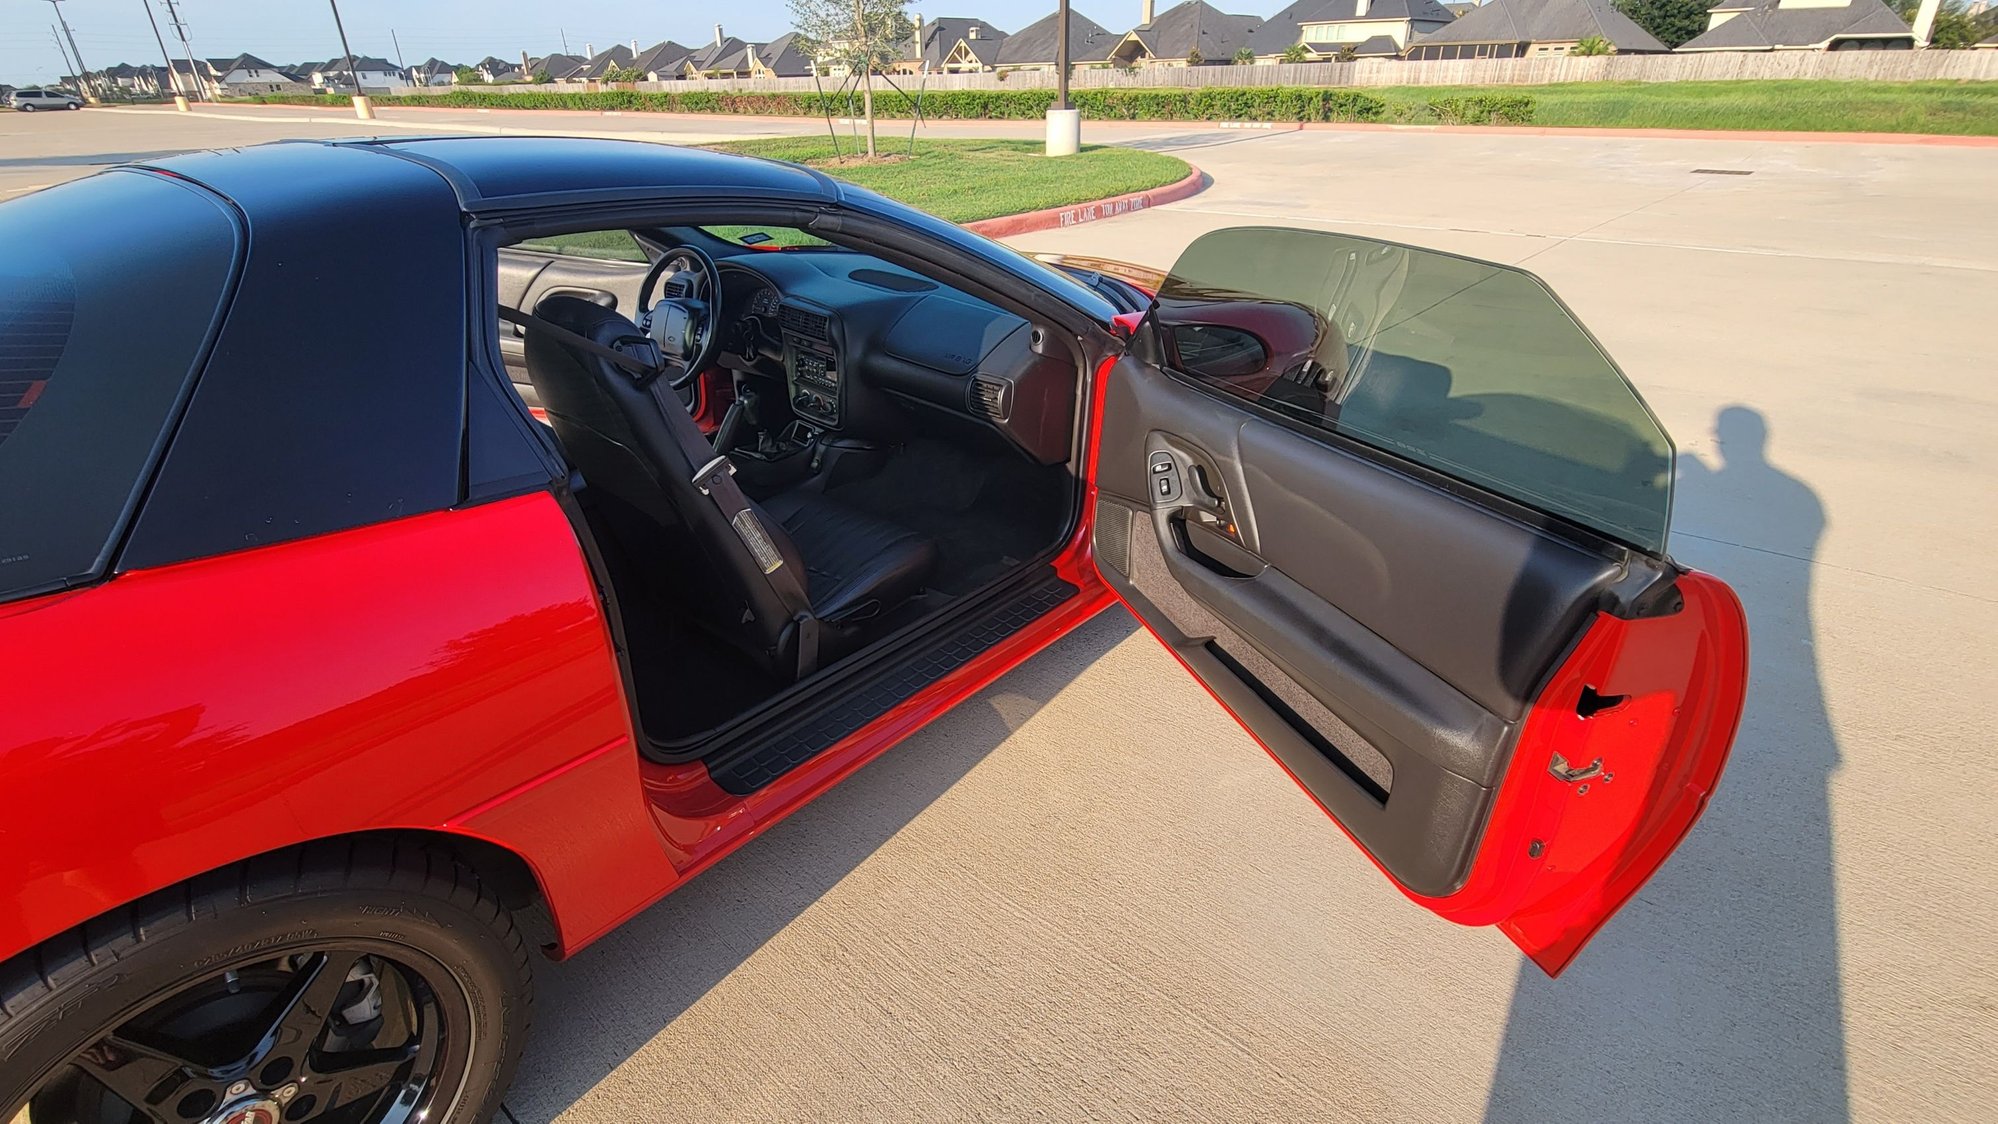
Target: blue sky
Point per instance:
(290, 31)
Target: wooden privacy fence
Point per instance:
(1890, 66)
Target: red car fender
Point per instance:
(449, 672)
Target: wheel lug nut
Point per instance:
(285, 1094)
(239, 1088)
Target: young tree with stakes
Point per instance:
(861, 35)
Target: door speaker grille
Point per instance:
(1113, 536)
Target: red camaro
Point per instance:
(419, 556)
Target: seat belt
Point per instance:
(715, 478)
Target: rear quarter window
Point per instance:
(110, 290)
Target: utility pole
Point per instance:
(179, 99)
(1925, 22)
(64, 52)
(82, 74)
(362, 109)
(187, 45)
(398, 49)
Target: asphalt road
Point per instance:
(1088, 896)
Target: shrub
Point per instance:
(1483, 109)
(1295, 53)
(1183, 103)
(1245, 57)
(1591, 45)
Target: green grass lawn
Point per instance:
(967, 180)
(1790, 105)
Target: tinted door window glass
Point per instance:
(109, 290)
(1473, 369)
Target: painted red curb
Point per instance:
(1078, 213)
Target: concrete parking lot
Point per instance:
(1087, 895)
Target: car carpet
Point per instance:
(987, 512)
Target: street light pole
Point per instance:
(179, 99)
(1061, 56)
(1064, 120)
(82, 72)
(362, 109)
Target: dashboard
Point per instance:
(867, 350)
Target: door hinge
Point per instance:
(1562, 771)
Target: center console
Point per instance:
(811, 364)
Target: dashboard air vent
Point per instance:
(991, 397)
(805, 322)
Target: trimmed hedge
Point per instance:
(1196, 103)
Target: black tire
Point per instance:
(27, 109)
(398, 902)
(75, 105)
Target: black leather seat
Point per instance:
(854, 566)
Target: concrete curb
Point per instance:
(1078, 213)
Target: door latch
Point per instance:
(1562, 771)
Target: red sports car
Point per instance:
(420, 556)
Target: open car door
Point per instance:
(1406, 520)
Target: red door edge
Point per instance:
(1642, 753)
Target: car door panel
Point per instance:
(1376, 610)
(1516, 715)
(528, 276)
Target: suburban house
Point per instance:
(954, 45)
(726, 57)
(782, 58)
(1188, 34)
(1509, 29)
(663, 62)
(1368, 28)
(1033, 47)
(1802, 25)
(491, 67)
(248, 74)
(433, 71)
(600, 63)
(373, 73)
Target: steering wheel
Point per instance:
(686, 321)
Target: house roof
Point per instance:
(1182, 28)
(1377, 47)
(1088, 41)
(942, 35)
(246, 62)
(666, 57)
(1544, 21)
(493, 64)
(361, 62)
(1768, 25)
(1287, 26)
(783, 57)
(558, 65)
(730, 54)
(599, 64)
